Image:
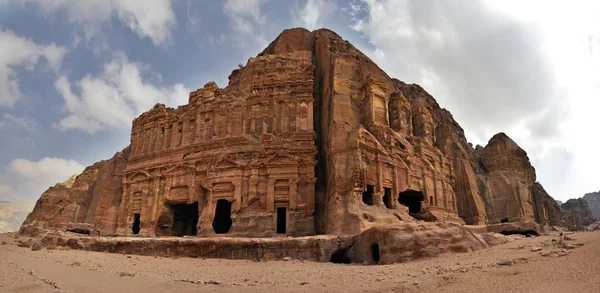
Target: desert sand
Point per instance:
(522, 265)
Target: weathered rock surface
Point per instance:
(376, 245)
(309, 137)
(579, 207)
(593, 201)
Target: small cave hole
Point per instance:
(505, 220)
(375, 252)
(340, 256)
(136, 224)
(367, 196)
(412, 199)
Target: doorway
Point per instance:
(387, 197)
(281, 220)
(136, 224)
(185, 219)
(367, 196)
(222, 222)
(412, 199)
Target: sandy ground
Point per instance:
(489, 270)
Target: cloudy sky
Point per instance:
(74, 73)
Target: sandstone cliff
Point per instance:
(87, 202)
(579, 207)
(309, 137)
(593, 201)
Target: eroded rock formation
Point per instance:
(309, 137)
(579, 207)
(593, 201)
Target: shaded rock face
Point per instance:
(309, 137)
(579, 207)
(93, 197)
(593, 201)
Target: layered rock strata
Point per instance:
(309, 137)
(579, 208)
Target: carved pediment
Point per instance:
(226, 162)
(281, 158)
(139, 176)
(180, 169)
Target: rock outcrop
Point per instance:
(593, 201)
(579, 207)
(309, 137)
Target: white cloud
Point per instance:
(7, 193)
(47, 171)
(502, 66)
(244, 14)
(315, 12)
(19, 53)
(147, 18)
(114, 97)
(25, 123)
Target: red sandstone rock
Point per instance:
(579, 207)
(309, 137)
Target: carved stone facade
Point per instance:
(310, 137)
(250, 145)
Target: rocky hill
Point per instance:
(579, 207)
(593, 201)
(309, 137)
(12, 215)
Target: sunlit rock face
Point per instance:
(309, 137)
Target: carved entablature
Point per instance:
(179, 184)
(375, 101)
(400, 114)
(423, 124)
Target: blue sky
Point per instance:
(74, 73)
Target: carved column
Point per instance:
(237, 194)
(310, 115)
(271, 195)
(293, 193)
(310, 196)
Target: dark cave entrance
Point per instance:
(412, 199)
(526, 233)
(387, 197)
(222, 222)
(367, 196)
(185, 219)
(340, 256)
(504, 220)
(281, 220)
(375, 253)
(136, 224)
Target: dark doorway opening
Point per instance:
(185, 219)
(505, 220)
(281, 220)
(222, 222)
(136, 224)
(526, 233)
(412, 199)
(375, 252)
(387, 197)
(340, 256)
(367, 196)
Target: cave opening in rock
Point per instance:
(375, 252)
(185, 219)
(281, 220)
(367, 196)
(526, 233)
(412, 199)
(136, 224)
(387, 197)
(222, 222)
(504, 220)
(340, 256)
